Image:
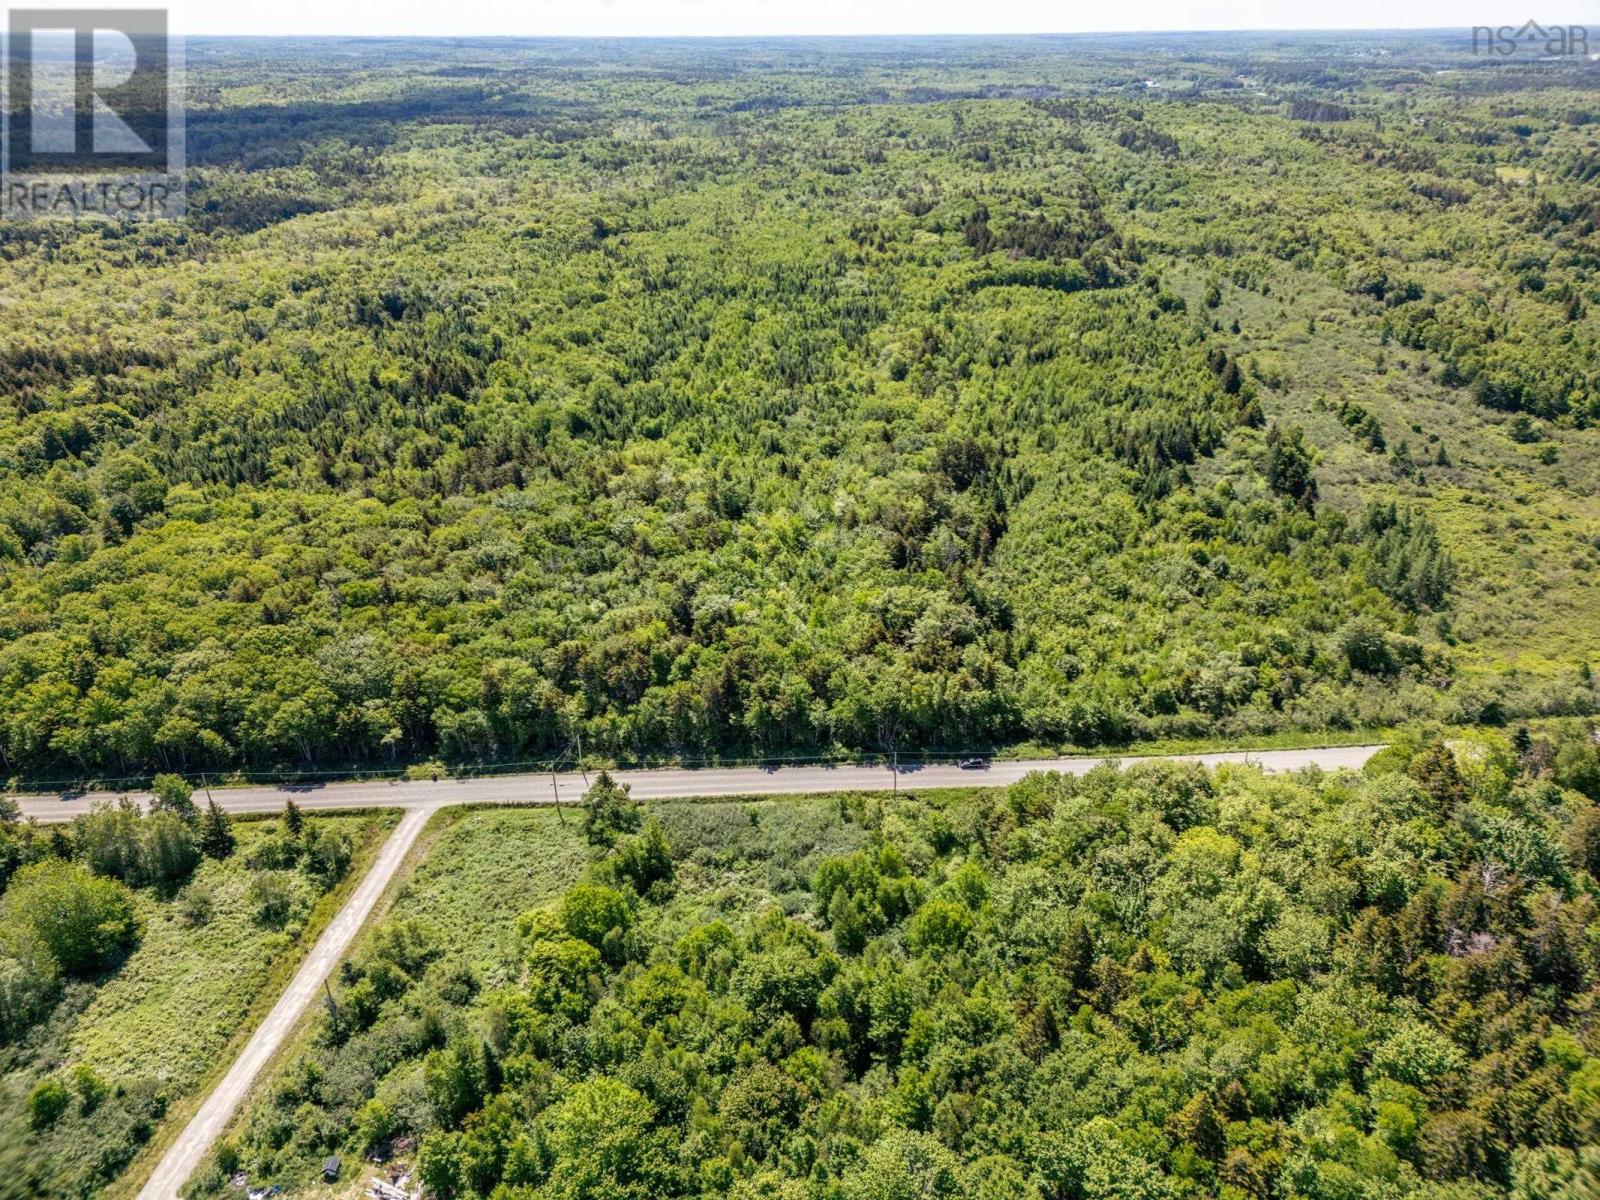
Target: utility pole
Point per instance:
(555, 789)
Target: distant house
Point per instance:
(330, 1169)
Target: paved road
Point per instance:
(673, 783)
(422, 799)
(207, 1125)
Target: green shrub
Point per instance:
(272, 897)
(608, 811)
(589, 912)
(28, 987)
(167, 850)
(82, 921)
(47, 1102)
(91, 1090)
(646, 860)
(170, 794)
(327, 855)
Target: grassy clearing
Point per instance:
(1520, 518)
(163, 1025)
(477, 868)
(748, 854)
(1286, 740)
(184, 995)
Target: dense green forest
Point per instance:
(1147, 985)
(760, 397)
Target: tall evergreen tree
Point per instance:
(216, 832)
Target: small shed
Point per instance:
(330, 1169)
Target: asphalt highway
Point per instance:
(676, 783)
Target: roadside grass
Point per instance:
(1417, 730)
(475, 869)
(747, 854)
(1155, 747)
(186, 992)
(160, 1029)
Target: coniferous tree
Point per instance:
(216, 832)
(1435, 771)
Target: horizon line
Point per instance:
(856, 36)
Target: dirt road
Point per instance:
(207, 1125)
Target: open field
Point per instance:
(477, 869)
(469, 875)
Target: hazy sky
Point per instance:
(730, 17)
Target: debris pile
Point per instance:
(398, 1190)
